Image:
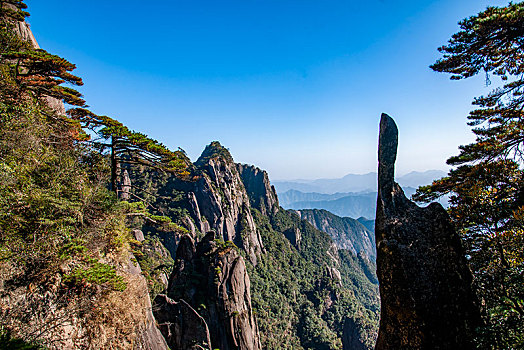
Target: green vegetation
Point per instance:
(128, 147)
(214, 150)
(155, 261)
(94, 272)
(7, 342)
(487, 185)
(298, 301)
(64, 236)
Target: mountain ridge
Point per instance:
(347, 233)
(355, 182)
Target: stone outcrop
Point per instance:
(220, 202)
(294, 235)
(181, 325)
(149, 336)
(425, 285)
(125, 186)
(262, 194)
(211, 278)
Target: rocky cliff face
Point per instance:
(261, 194)
(300, 281)
(61, 318)
(347, 233)
(425, 284)
(209, 298)
(351, 337)
(220, 202)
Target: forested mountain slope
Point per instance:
(347, 233)
(303, 288)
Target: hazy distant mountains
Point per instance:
(355, 183)
(352, 196)
(352, 204)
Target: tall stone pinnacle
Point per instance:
(426, 296)
(387, 155)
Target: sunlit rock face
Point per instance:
(262, 194)
(426, 296)
(220, 201)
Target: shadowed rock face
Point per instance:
(425, 284)
(180, 324)
(351, 339)
(212, 283)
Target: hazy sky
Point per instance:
(294, 87)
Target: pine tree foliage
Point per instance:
(13, 10)
(43, 73)
(63, 236)
(487, 186)
(128, 147)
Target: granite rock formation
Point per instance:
(261, 193)
(220, 202)
(181, 325)
(351, 336)
(427, 300)
(211, 279)
(346, 232)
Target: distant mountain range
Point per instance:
(351, 196)
(355, 183)
(351, 204)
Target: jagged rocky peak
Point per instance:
(427, 300)
(210, 282)
(262, 194)
(220, 201)
(213, 151)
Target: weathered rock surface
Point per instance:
(213, 280)
(181, 325)
(351, 336)
(294, 235)
(425, 285)
(262, 194)
(148, 336)
(125, 184)
(346, 232)
(219, 201)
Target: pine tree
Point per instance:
(43, 73)
(13, 10)
(127, 147)
(487, 186)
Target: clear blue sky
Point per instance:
(294, 87)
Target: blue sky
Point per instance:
(294, 87)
